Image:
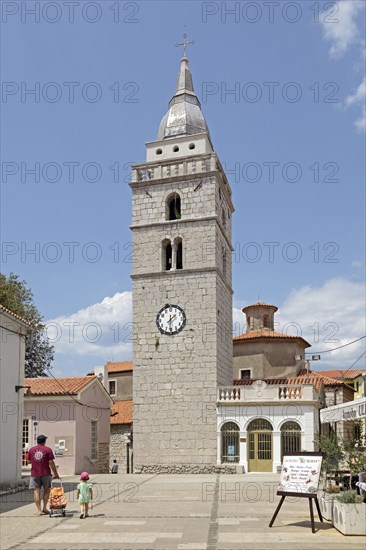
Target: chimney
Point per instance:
(102, 373)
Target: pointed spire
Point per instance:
(184, 80)
(184, 116)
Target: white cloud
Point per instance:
(340, 26)
(102, 330)
(328, 317)
(341, 30)
(358, 98)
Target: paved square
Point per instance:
(172, 512)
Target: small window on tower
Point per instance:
(265, 321)
(175, 149)
(179, 252)
(173, 209)
(191, 146)
(245, 374)
(168, 257)
(159, 151)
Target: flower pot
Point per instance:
(349, 519)
(326, 505)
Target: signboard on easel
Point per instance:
(300, 477)
(300, 474)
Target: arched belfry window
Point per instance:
(178, 244)
(230, 443)
(167, 255)
(173, 207)
(265, 321)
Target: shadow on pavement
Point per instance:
(23, 498)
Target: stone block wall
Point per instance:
(103, 458)
(118, 447)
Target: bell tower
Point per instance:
(182, 291)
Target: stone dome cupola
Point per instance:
(260, 316)
(184, 116)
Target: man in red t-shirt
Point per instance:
(42, 461)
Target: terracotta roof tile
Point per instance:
(295, 380)
(265, 333)
(124, 410)
(58, 386)
(346, 374)
(119, 366)
(326, 379)
(260, 304)
(15, 315)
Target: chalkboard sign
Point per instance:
(300, 474)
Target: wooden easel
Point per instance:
(310, 497)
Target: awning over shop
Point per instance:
(353, 410)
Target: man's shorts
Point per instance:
(39, 482)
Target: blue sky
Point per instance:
(283, 92)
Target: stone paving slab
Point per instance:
(171, 512)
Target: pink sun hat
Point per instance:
(84, 475)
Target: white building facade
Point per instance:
(13, 330)
(257, 423)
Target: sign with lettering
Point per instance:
(300, 474)
(352, 410)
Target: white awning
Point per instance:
(353, 410)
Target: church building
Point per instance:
(182, 291)
(203, 402)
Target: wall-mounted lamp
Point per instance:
(313, 358)
(17, 388)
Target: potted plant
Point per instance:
(349, 513)
(332, 454)
(354, 456)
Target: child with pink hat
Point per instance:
(84, 494)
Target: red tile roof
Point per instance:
(265, 333)
(58, 386)
(124, 410)
(315, 374)
(15, 315)
(119, 366)
(346, 374)
(301, 378)
(295, 380)
(260, 304)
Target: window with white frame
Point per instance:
(93, 439)
(112, 387)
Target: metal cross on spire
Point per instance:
(184, 44)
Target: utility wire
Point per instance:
(73, 398)
(333, 349)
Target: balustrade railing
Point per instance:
(148, 172)
(268, 391)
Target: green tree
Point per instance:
(16, 296)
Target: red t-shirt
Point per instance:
(39, 457)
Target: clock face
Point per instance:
(171, 319)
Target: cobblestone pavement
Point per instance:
(174, 512)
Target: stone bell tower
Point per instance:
(182, 291)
